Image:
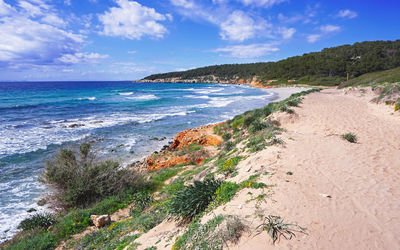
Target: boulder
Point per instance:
(100, 220)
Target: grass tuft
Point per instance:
(276, 228)
(350, 137)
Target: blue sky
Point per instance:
(126, 39)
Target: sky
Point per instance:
(72, 40)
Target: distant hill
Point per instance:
(327, 67)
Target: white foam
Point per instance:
(92, 98)
(197, 96)
(126, 93)
(143, 97)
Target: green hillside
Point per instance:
(390, 76)
(327, 67)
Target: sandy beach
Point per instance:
(345, 194)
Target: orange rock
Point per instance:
(203, 135)
(158, 163)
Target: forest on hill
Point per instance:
(327, 67)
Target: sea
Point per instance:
(124, 121)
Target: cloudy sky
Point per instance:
(126, 39)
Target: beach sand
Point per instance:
(346, 195)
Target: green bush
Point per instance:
(350, 137)
(141, 201)
(294, 102)
(81, 181)
(227, 136)
(193, 199)
(41, 240)
(229, 165)
(257, 126)
(41, 220)
(229, 146)
(224, 193)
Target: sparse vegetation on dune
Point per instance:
(277, 228)
(350, 137)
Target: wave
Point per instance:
(197, 96)
(92, 98)
(143, 97)
(126, 93)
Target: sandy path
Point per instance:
(363, 179)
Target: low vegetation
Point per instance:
(214, 234)
(40, 220)
(277, 228)
(193, 199)
(350, 137)
(80, 180)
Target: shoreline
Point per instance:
(281, 92)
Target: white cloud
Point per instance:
(240, 27)
(82, 58)
(187, 4)
(53, 19)
(248, 51)
(133, 21)
(5, 9)
(292, 19)
(67, 2)
(25, 40)
(261, 3)
(192, 10)
(33, 35)
(329, 28)
(132, 52)
(347, 14)
(286, 33)
(325, 30)
(313, 38)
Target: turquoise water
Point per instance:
(118, 118)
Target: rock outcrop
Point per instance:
(100, 220)
(203, 135)
(180, 153)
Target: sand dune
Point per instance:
(362, 179)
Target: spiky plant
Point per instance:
(276, 227)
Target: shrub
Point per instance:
(276, 228)
(234, 229)
(227, 136)
(199, 236)
(397, 107)
(257, 126)
(251, 182)
(141, 201)
(237, 121)
(350, 137)
(81, 181)
(294, 102)
(229, 146)
(43, 220)
(229, 165)
(248, 120)
(193, 199)
(224, 193)
(34, 240)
